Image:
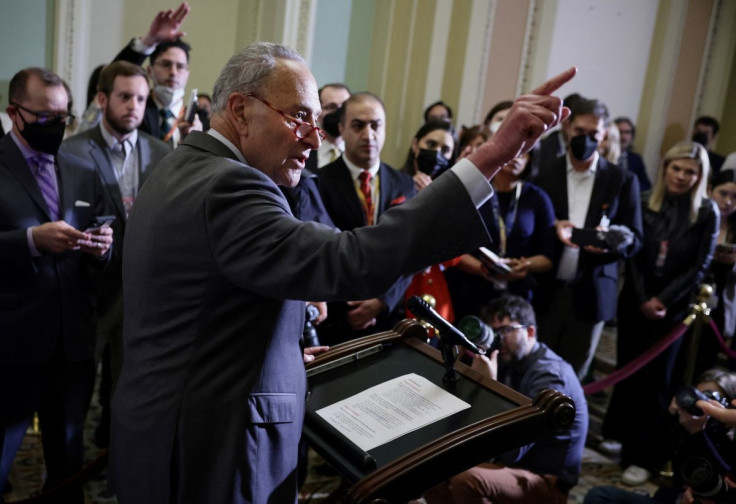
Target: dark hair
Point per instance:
(205, 96)
(358, 98)
(709, 121)
(18, 88)
(467, 135)
(514, 307)
(626, 120)
(337, 85)
(583, 106)
(165, 46)
(435, 104)
(504, 105)
(425, 130)
(118, 68)
(94, 78)
(570, 100)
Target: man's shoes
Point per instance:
(635, 475)
(610, 447)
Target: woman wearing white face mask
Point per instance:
(494, 117)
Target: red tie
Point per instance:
(365, 188)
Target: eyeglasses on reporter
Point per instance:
(46, 117)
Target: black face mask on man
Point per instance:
(583, 146)
(330, 122)
(45, 137)
(431, 162)
(700, 138)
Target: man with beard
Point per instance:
(47, 320)
(122, 157)
(543, 471)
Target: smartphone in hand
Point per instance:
(100, 222)
(192, 110)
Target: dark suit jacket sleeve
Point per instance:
(268, 245)
(128, 54)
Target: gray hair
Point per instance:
(246, 71)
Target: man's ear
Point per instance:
(340, 127)
(238, 111)
(102, 100)
(531, 331)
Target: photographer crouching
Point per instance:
(703, 465)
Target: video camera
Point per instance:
(480, 333)
(687, 396)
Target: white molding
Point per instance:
(299, 19)
(666, 68)
(475, 65)
(398, 126)
(72, 47)
(438, 47)
(385, 58)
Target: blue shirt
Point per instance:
(560, 455)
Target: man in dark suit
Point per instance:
(356, 190)
(47, 319)
(210, 402)
(629, 159)
(705, 130)
(122, 157)
(166, 112)
(586, 192)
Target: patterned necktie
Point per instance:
(365, 189)
(45, 176)
(167, 124)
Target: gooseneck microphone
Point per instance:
(449, 332)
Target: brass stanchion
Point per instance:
(699, 316)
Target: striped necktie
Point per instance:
(365, 188)
(45, 174)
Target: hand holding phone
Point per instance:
(99, 222)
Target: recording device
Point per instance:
(480, 333)
(310, 333)
(192, 110)
(493, 261)
(615, 238)
(99, 222)
(687, 396)
(587, 236)
(450, 334)
(705, 464)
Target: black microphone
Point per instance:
(423, 310)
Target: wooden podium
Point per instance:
(498, 420)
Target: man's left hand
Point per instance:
(99, 242)
(362, 314)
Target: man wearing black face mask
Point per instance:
(47, 319)
(704, 132)
(331, 98)
(586, 192)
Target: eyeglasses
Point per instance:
(507, 329)
(302, 129)
(168, 64)
(46, 117)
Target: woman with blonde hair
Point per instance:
(680, 228)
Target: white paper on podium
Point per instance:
(384, 412)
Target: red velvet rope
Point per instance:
(719, 338)
(635, 365)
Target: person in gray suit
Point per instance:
(210, 402)
(49, 257)
(122, 157)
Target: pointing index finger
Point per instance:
(556, 82)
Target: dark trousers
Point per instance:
(60, 391)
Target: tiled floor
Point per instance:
(27, 473)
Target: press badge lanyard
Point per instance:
(506, 226)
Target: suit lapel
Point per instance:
(385, 188)
(559, 196)
(144, 159)
(16, 164)
(598, 196)
(346, 191)
(104, 167)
